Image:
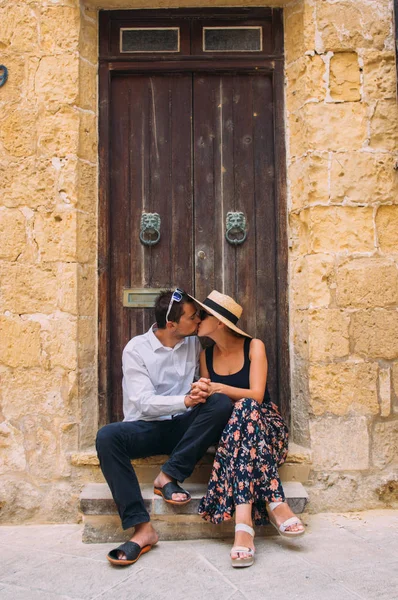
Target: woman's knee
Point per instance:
(247, 404)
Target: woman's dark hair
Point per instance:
(162, 304)
(235, 333)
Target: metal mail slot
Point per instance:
(140, 297)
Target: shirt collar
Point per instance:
(156, 344)
(153, 340)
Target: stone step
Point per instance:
(296, 468)
(102, 524)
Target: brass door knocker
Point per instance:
(150, 226)
(235, 225)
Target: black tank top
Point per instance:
(241, 379)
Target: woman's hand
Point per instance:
(215, 388)
(205, 387)
(200, 390)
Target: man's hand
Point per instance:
(191, 401)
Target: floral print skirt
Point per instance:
(245, 469)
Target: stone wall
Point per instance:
(341, 129)
(48, 232)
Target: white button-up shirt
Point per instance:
(156, 378)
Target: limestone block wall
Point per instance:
(48, 233)
(342, 130)
(341, 134)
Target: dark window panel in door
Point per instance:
(148, 39)
(232, 39)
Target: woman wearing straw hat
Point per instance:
(244, 477)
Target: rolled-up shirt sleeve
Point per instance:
(140, 394)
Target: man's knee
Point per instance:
(222, 405)
(107, 437)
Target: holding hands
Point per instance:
(200, 391)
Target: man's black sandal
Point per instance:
(168, 490)
(132, 551)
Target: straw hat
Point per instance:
(224, 308)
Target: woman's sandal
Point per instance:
(247, 561)
(168, 490)
(282, 529)
(132, 551)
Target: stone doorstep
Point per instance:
(101, 529)
(89, 458)
(96, 499)
(102, 524)
(296, 468)
(296, 455)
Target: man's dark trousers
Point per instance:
(185, 438)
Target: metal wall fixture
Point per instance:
(236, 232)
(3, 75)
(150, 226)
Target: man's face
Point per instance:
(189, 321)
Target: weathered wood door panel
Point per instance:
(167, 131)
(234, 171)
(150, 171)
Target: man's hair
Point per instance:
(162, 304)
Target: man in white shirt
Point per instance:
(161, 416)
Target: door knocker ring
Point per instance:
(150, 225)
(235, 225)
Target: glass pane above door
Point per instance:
(232, 39)
(149, 39)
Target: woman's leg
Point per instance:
(280, 512)
(276, 437)
(245, 469)
(243, 514)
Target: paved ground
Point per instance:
(342, 557)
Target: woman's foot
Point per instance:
(242, 552)
(284, 520)
(144, 535)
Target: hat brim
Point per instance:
(220, 317)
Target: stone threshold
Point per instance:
(296, 468)
(102, 524)
(96, 499)
(297, 455)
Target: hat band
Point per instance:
(221, 310)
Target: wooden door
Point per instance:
(167, 131)
(150, 171)
(192, 134)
